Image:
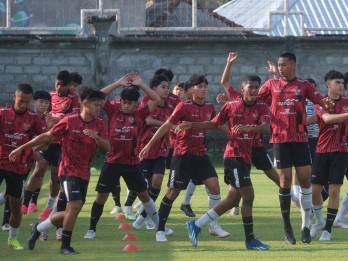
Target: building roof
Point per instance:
(178, 13)
(306, 17)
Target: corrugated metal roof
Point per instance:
(320, 15)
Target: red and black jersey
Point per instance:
(78, 149)
(17, 129)
(287, 100)
(333, 137)
(62, 105)
(159, 149)
(124, 133)
(191, 141)
(237, 112)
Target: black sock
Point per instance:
(163, 213)
(116, 195)
(66, 239)
(96, 212)
(132, 195)
(248, 228)
(330, 218)
(61, 203)
(7, 212)
(35, 196)
(285, 203)
(27, 197)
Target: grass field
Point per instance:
(108, 245)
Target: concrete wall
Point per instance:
(37, 61)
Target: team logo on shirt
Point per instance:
(297, 92)
(26, 127)
(345, 109)
(131, 120)
(209, 115)
(256, 116)
(64, 106)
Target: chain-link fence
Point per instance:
(177, 17)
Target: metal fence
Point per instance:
(176, 17)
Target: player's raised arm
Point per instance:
(225, 79)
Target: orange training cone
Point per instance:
(124, 226)
(120, 217)
(130, 247)
(130, 237)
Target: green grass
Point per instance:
(108, 245)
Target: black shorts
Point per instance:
(52, 154)
(110, 175)
(153, 166)
(291, 153)
(312, 142)
(169, 158)
(189, 167)
(261, 159)
(329, 168)
(237, 172)
(74, 188)
(14, 183)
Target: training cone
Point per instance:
(130, 237)
(124, 226)
(130, 247)
(120, 217)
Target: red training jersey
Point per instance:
(333, 137)
(78, 149)
(17, 129)
(124, 133)
(191, 141)
(288, 108)
(237, 112)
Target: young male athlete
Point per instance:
(125, 120)
(287, 98)
(244, 116)
(18, 125)
(331, 160)
(190, 160)
(80, 130)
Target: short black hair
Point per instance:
(345, 80)
(64, 77)
(91, 94)
(130, 94)
(332, 74)
(251, 78)
(76, 78)
(186, 86)
(312, 81)
(289, 56)
(25, 88)
(166, 72)
(42, 95)
(197, 79)
(157, 79)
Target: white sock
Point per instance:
(2, 198)
(50, 202)
(54, 210)
(151, 211)
(306, 206)
(210, 216)
(296, 190)
(213, 201)
(318, 213)
(189, 193)
(45, 225)
(13, 232)
(344, 208)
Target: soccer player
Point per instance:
(126, 119)
(190, 160)
(331, 160)
(80, 130)
(287, 97)
(244, 116)
(18, 125)
(153, 163)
